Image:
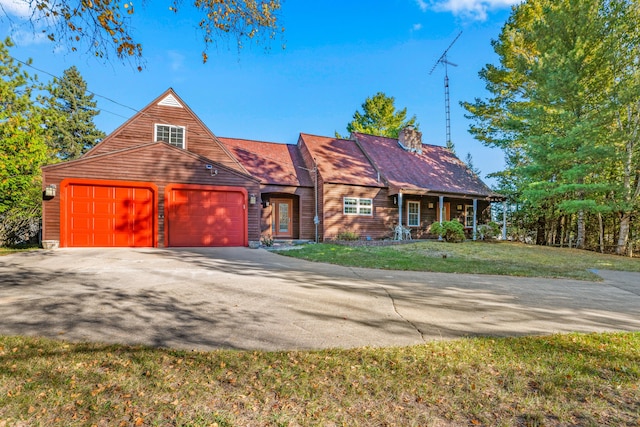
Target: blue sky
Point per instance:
(337, 53)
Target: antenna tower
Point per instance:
(443, 60)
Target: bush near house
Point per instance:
(451, 231)
(488, 231)
(348, 235)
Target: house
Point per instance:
(163, 179)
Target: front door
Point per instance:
(447, 211)
(282, 224)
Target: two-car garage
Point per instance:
(103, 213)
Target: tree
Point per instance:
(70, 113)
(105, 27)
(22, 150)
(469, 162)
(379, 117)
(552, 105)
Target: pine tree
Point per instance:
(71, 110)
(555, 97)
(379, 117)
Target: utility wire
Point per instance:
(146, 114)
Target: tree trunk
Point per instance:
(601, 232)
(540, 238)
(580, 238)
(623, 237)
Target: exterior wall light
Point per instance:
(252, 199)
(50, 190)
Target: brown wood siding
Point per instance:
(376, 226)
(303, 207)
(141, 130)
(157, 164)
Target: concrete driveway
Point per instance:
(253, 299)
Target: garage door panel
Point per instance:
(109, 215)
(206, 217)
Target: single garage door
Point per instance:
(206, 216)
(109, 214)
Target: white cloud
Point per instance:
(176, 60)
(474, 9)
(18, 8)
(416, 27)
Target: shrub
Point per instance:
(451, 231)
(489, 230)
(266, 241)
(348, 235)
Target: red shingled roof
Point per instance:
(436, 169)
(270, 162)
(341, 161)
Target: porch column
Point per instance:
(475, 218)
(504, 219)
(400, 211)
(441, 203)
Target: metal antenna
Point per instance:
(443, 60)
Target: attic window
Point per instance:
(174, 135)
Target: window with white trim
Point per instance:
(357, 206)
(413, 214)
(174, 135)
(468, 216)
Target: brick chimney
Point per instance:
(410, 139)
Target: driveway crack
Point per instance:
(395, 307)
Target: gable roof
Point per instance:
(341, 161)
(169, 109)
(270, 162)
(435, 170)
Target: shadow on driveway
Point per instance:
(252, 299)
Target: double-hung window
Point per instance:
(357, 206)
(174, 135)
(413, 214)
(468, 216)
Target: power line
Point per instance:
(146, 114)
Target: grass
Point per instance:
(4, 250)
(504, 258)
(575, 379)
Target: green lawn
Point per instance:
(505, 258)
(586, 380)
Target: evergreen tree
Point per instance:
(379, 117)
(71, 110)
(469, 162)
(561, 65)
(22, 151)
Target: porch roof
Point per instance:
(435, 171)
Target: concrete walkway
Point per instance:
(252, 299)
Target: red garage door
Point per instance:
(206, 216)
(109, 213)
